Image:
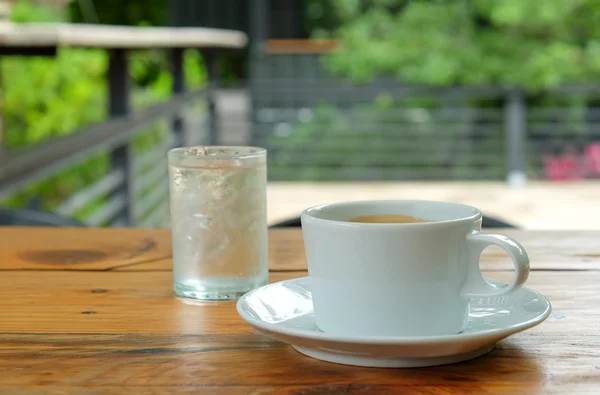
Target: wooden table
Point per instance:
(92, 311)
(36, 35)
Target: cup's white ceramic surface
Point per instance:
(412, 279)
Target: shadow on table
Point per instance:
(487, 222)
(506, 369)
(28, 217)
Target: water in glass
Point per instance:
(218, 220)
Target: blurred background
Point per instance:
(494, 104)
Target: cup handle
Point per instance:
(476, 285)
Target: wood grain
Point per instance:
(144, 250)
(108, 302)
(131, 302)
(137, 334)
(80, 249)
(113, 330)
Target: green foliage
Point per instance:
(45, 98)
(24, 12)
(160, 90)
(533, 44)
(120, 12)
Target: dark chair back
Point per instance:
(13, 217)
(487, 222)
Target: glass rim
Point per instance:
(229, 152)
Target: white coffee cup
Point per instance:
(400, 279)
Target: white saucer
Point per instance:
(284, 312)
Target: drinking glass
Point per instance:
(218, 220)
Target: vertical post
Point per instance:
(259, 33)
(5, 12)
(1, 108)
(515, 124)
(211, 57)
(176, 12)
(118, 104)
(177, 128)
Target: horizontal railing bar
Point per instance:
(388, 139)
(273, 115)
(30, 164)
(376, 166)
(534, 142)
(381, 120)
(148, 158)
(349, 160)
(151, 200)
(570, 128)
(380, 83)
(400, 134)
(377, 124)
(115, 36)
(566, 109)
(396, 131)
(443, 111)
(429, 147)
(377, 174)
(355, 96)
(391, 83)
(99, 188)
(150, 177)
(108, 210)
(547, 123)
(564, 121)
(343, 100)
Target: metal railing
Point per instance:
(134, 192)
(317, 127)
